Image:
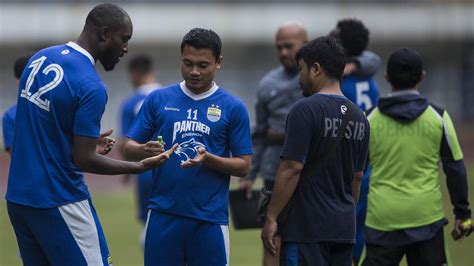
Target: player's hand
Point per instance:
(105, 143)
(200, 157)
(154, 147)
(349, 69)
(269, 232)
(463, 228)
(246, 184)
(155, 161)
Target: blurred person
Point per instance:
(8, 119)
(142, 77)
(319, 175)
(60, 105)
(409, 137)
(360, 87)
(278, 91)
(189, 198)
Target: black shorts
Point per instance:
(426, 253)
(316, 254)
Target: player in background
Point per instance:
(359, 86)
(142, 76)
(409, 137)
(321, 167)
(61, 100)
(8, 119)
(189, 198)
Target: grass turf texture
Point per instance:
(116, 211)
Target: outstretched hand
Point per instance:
(155, 161)
(201, 155)
(105, 143)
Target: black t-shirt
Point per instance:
(322, 207)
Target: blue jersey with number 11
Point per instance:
(60, 95)
(215, 120)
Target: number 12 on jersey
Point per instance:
(36, 97)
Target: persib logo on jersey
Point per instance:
(214, 113)
(187, 150)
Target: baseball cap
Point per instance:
(404, 61)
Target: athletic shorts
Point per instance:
(430, 252)
(66, 235)
(316, 254)
(178, 241)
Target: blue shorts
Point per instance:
(66, 235)
(143, 186)
(178, 241)
(316, 254)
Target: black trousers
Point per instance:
(424, 253)
(316, 254)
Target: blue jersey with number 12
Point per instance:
(214, 119)
(60, 95)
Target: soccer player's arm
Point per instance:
(139, 145)
(91, 106)
(367, 64)
(455, 170)
(300, 127)
(258, 135)
(8, 125)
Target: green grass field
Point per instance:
(117, 214)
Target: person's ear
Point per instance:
(104, 34)
(219, 62)
(422, 76)
(316, 69)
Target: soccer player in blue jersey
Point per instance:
(60, 104)
(143, 79)
(359, 86)
(188, 217)
(8, 119)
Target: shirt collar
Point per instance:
(81, 50)
(200, 96)
(403, 92)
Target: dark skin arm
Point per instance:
(356, 186)
(87, 158)
(287, 179)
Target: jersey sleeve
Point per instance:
(144, 125)
(239, 131)
(450, 148)
(368, 62)
(8, 123)
(92, 98)
(299, 132)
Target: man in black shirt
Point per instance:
(320, 170)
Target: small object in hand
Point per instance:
(465, 226)
(160, 140)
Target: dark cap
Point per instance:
(404, 61)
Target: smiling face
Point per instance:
(198, 68)
(115, 45)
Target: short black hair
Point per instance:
(203, 39)
(327, 52)
(141, 64)
(404, 68)
(354, 36)
(109, 15)
(20, 64)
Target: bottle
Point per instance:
(465, 227)
(160, 140)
